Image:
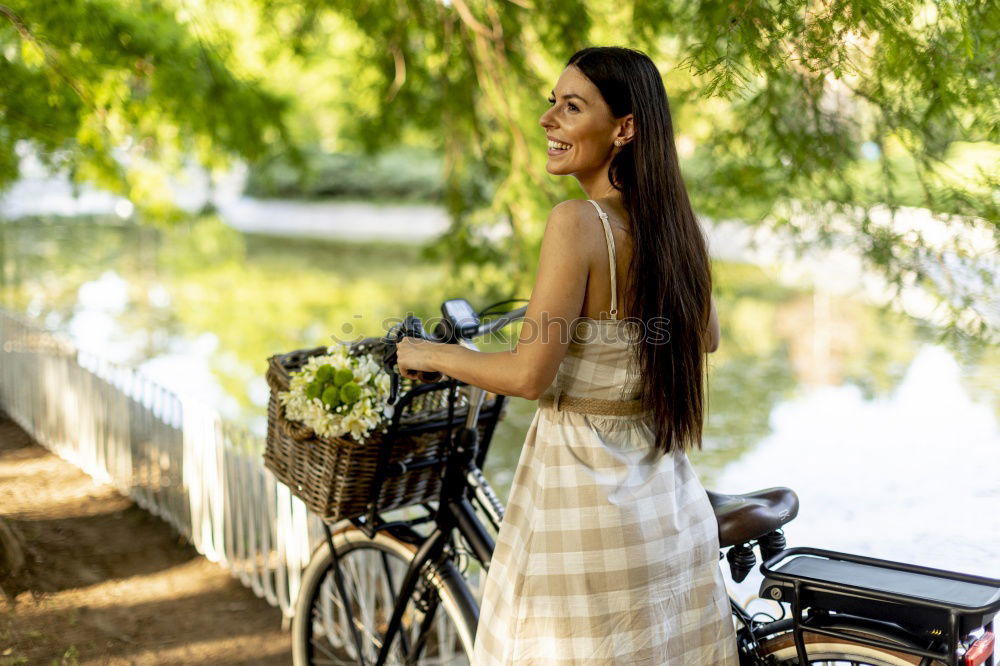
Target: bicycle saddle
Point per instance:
(746, 517)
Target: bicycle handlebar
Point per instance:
(501, 321)
(412, 326)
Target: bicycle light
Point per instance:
(980, 651)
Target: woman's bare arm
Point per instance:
(555, 305)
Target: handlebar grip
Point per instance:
(413, 326)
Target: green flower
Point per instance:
(324, 373)
(314, 389)
(350, 392)
(331, 396)
(343, 376)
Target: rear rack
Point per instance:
(934, 601)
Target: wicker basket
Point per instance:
(336, 476)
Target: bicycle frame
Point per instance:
(455, 512)
(462, 475)
(463, 480)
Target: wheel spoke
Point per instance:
(371, 576)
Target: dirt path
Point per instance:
(109, 584)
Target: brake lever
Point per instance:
(411, 326)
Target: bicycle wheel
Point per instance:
(829, 651)
(441, 609)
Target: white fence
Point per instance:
(174, 458)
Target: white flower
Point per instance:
(368, 413)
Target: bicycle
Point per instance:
(380, 591)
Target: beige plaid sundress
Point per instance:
(608, 552)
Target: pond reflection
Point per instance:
(843, 401)
(909, 476)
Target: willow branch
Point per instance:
(397, 83)
(470, 20)
(50, 60)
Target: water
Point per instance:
(890, 439)
(909, 476)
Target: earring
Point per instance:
(618, 142)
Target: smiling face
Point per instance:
(580, 119)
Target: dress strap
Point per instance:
(611, 258)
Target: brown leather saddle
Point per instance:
(743, 518)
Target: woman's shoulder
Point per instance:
(574, 207)
(585, 207)
(572, 215)
(574, 229)
(582, 212)
(579, 215)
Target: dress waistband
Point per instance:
(595, 406)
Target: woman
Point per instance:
(608, 553)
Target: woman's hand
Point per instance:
(413, 355)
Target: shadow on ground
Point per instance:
(104, 582)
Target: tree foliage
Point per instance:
(862, 122)
(121, 93)
(872, 123)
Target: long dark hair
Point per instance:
(670, 277)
